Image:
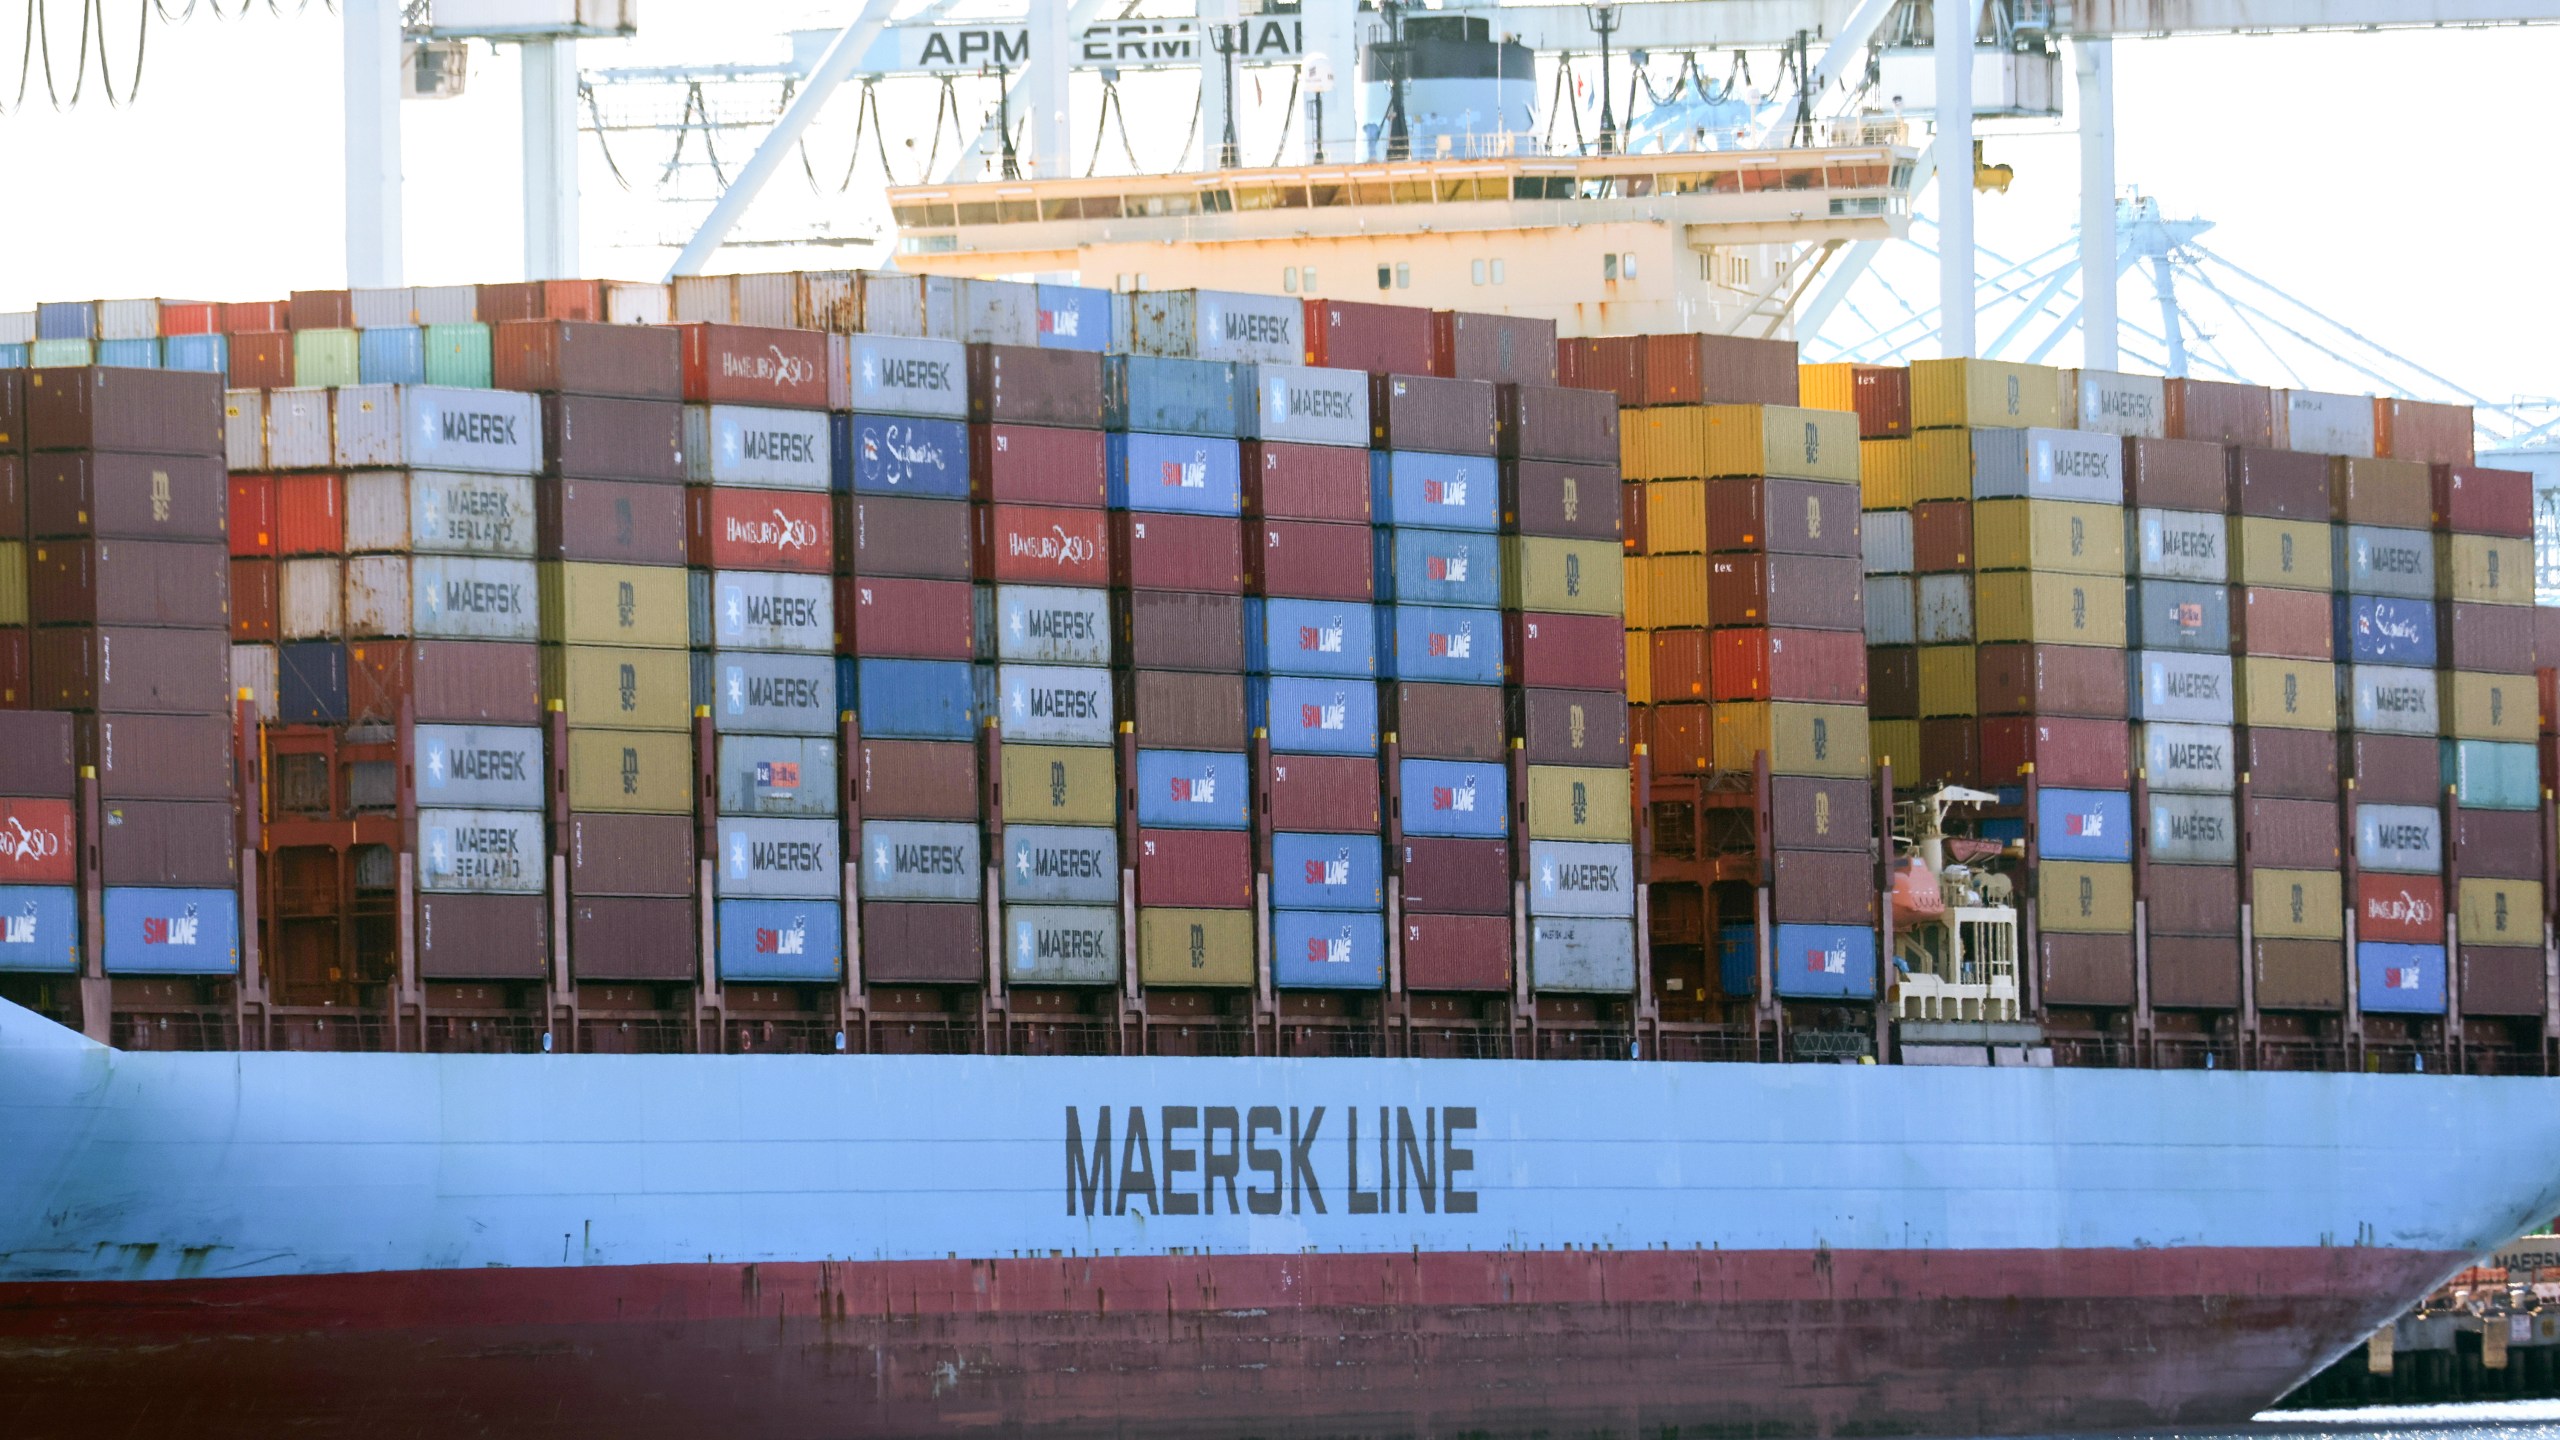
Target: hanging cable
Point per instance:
(595, 115)
(1288, 115)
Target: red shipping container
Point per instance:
(1023, 385)
(1423, 412)
(1893, 682)
(918, 779)
(2176, 475)
(1682, 737)
(914, 535)
(261, 361)
(1568, 652)
(190, 317)
(13, 496)
(2400, 909)
(1381, 339)
(1811, 814)
(1565, 499)
(1514, 349)
(2082, 754)
(2195, 900)
(1332, 793)
(618, 522)
(1177, 552)
(133, 669)
(1881, 394)
(311, 515)
(1791, 517)
(1950, 753)
(2499, 639)
(1310, 560)
(320, 310)
(457, 682)
(2498, 844)
(1040, 544)
(2282, 834)
(540, 300)
(1555, 422)
(2390, 769)
(2086, 969)
(1822, 887)
(2473, 500)
(911, 619)
(1678, 665)
(17, 688)
(1942, 537)
(633, 362)
(1804, 592)
(1201, 869)
(253, 514)
(178, 584)
(1689, 370)
(1457, 952)
(1631, 516)
(2281, 484)
(2428, 434)
(1037, 465)
(2195, 972)
(2292, 624)
(733, 529)
(923, 943)
(255, 317)
(1177, 630)
(2224, 414)
(2050, 680)
(755, 365)
(113, 494)
(2302, 764)
(2502, 980)
(37, 844)
(1306, 482)
(253, 598)
(1821, 666)
(604, 437)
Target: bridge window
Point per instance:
(1497, 272)
(1404, 276)
(922, 214)
(1288, 279)
(1328, 192)
(1475, 272)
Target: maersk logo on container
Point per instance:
(788, 692)
(1057, 862)
(792, 939)
(469, 516)
(2414, 839)
(1307, 402)
(1582, 877)
(917, 857)
(2168, 684)
(485, 854)
(2185, 544)
(1411, 1159)
(2398, 699)
(471, 427)
(905, 372)
(2390, 559)
(1057, 702)
(1071, 626)
(775, 611)
(475, 597)
(1062, 942)
(774, 857)
(472, 763)
(1255, 327)
(2191, 826)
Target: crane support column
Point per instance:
(1954, 21)
(2094, 58)
(1044, 93)
(1329, 32)
(1216, 26)
(373, 141)
(550, 158)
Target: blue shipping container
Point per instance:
(1307, 715)
(1073, 317)
(780, 940)
(311, 683)
(40, 929)
(130, 354)
(1192, 790)
(210, 353)
(2405, 979)
(1738, 959)
(392, 355)
(1176, 474)
(1328, 950)
(1311, 637)
(66, 320)
(1432, 643)
(1327, 872)
(911, 699)
(1439, 492)
(14, 357)
(2373, 629)
(2084, 824)
(172, 932)
(1439, 567)
(901, 455)
(1160, 395)
(1811, 962)
(1463, 798)
(2178, 615)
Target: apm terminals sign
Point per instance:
(1120, 44)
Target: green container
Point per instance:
(457, 355)
(58, 352)
(2492, 774)
(324, 357)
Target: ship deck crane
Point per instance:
(1955, 928)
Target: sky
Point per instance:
(2386, 179)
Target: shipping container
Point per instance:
(1062, 864)
(1552, 422)
(2047, 464)
(1456, 952)
(636, 855)
(2190, 475)
(1436, 491)
(2470, 500)
(1424, 412)
(1175, 474)
(1448, 722)
(785, 941)
(2177, 686)
(498, 852)
(431, 427)
(787, 775)
(2050, 680)
(2484, 570)
(900, 860)
(786, 859)
(1892, 617)
(1302, 715)
(1580, 803)
(109, 496)
(169, 842)
(1820, 887)
(1196, 949)
(1879, 394)
(2291, 834)
(1173, 630)
(1945, 604)
(913, 619)
(1177, 552)
(2401, 909)
(1024, 385)
(933, 458)
(1052, 704)
(2075, 897)
(1563, 652)
(2280, 485)
(2222, 413)
(2082, 753)
(43, 931)
(918, 779)
(1323, 792)
(2489, 707)
(1985, 393)
(1454, 798)
(1062, 944)
(2072, 537)
(2393, 700)
(1216, 325)
(2391, 769)
(1306, 482)
(2189, 758)
(923, 943)
(158, 412)
(1941, 536)
(2491, 911)
(1307, 405)
(2190, 830)
(2408, 838)
(1190, 790)
(2502, 843)
(1307, 560)
(911, 699)
(2092, 825)
(2127, 405)
(2180, 545)
(1062, 785)
(1804, 592)
(174, 584)
(1311, 637)
(1318, 949)
(1417, 642)
(1802, 517)
(763, 610)
(43, 844)
(609, 522)
(439, 512)
(1562, 576)
(1582, 956)
(132, 669)
(1563, 727)
(479, 767)
(2039, 607)
(634, 938)
(2499, 639)
(2178, 615)
(1816, 666)
(2296, 904)
(1040, 545)
(1798, 739)
(2287, 694)
(1043, 624)
(1418, 567)
(2295, 554)
(2416, 430)
(613, 687)
(1195, 869)
(633, 362)
(2370, 560)
(161, 930)
(631, 772)
(1327, 872)
(1820, 962)
(2396, 494)
(1893, 682)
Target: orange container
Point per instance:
(311, 514)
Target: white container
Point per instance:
(481, 852)
(918, 307)
(441, 597)
(2179, 545)
(1884, 538)
(17, 327)
(1218, 325)
(2041, 464)
(128, 319)
(771, 299)
(2194, 830)
(1310, 405)
(1945, 610)
(308, 598)
(2181, 686)
(1892, 615)
(2118, 404)
(298, 428)
(637, 302)
(2392, 700)
(701, 299)
(2323, 424)
(2377, 560)
(253, 668)
(244, 429)
(996, 312)
(446, 304)
(437, 427)
(384, 308)
(439, 512)
(2192, 758)
(2406, 839)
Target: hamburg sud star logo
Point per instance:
(1832, 959)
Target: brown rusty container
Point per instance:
(1810, 814)
(1177, 552)
(1881, 394)
(2498, 844)
(35, 754)
(1631, 519)
(2292, 624)
(142, 671)
(1676, 665)
(1893, 682)
(2285, 834)
(320, 310)
(451, 682)
(2294, 764)
(1547, 422)
(1800, 592)
(540, 300)
(154, 412)
(13, 494)
(1568, 652)
(2392, 493)
(903, 535)
(1456, 877)
(1423, 412)
(1822, 887)
(634, 938)
(2498, 639)
(570, 357)
(2080, 753)
(2430, 434)
(1456, 952)
(253, 600)
(1173, 630)
(1382, 339)
(1711, 370)
(1183, 710)
(1021, 385)
(176, 584)
(1816, 666)
(2470, 500)
(158, 757)
(1446, 722)
(485, 937)
(755, 365)
(2224, 414)
(1337, 793)
(1562, 499)
(2501, 980)
(1312, 482)
(13, 410)
(1950, 754)
(2086, 969)
(923, 943)
(2195, 972)
(917, 779)
(616, 522)
(119, 496)
(2195, 900)
(1562, 727)
(2307, 975)
(1792, 517)
(596, 437)
(1508, 349)
(169, 842)
(1942, 537)
(1195, 869)
(1037, 465)
(1309, 560)
(2176, 475)
(2386, 769)
(2050, 680)
(630, 854)
(1682, 737)
(2280, 484)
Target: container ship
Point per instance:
(880, 853)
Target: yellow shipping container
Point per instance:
(2297, 904)
(2499, 912)
(2481, 706)
(591, 604)
(1676, 592)
(1634, 569)
(1884, 474)
(1783, 442)
(1639, 668)
(1569, 577)
(631, 772)
(1060, 785)
(1195, 948)
(1942, 465)
(1990, 394)
(1800, 739)
(2084, 897)
(2046, 609)
(1662, 442)
(2484, 570)
(1580, 802)
(1675, 517)
(2288, 554)
(620, 688)
(1827, 387)
(2065, 536)
(2286, 694)
(13, 582)
(1947, 681)
(1899, 742)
